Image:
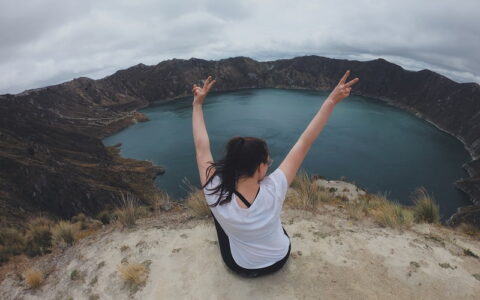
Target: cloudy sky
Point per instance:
(46, 42)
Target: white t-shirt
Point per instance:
(256, 235)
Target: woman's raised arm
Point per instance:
(295, 157)
(200, 135)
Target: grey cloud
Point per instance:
(23, 21)
(50, 41)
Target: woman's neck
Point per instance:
(248, 185)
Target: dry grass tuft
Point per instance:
(39, 236)
(308, 194)
(362, 206)
(425, 209)
(135, 273)
(81, 219)
(161, 199)
(63, 233)
(385, 212)
(195, 199)
(33, 278)
(394, 215)
(143, 211)
(128, 213)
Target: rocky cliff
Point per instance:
(52, 156)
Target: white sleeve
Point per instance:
(280, 183)
(209, 189)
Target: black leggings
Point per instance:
(224, 245)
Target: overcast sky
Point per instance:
(44, 42)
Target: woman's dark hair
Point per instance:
(242, 157)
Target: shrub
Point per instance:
(39, 236)
(4, 254)
(425, 209)
(135, 273)
(12, 242)
(76, 275)
(104, 217)
(41, 221)
(33, 278)
(195, 199)
(81, 219)
(63, 233)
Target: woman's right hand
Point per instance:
(342, 90)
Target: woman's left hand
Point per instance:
(199, 93)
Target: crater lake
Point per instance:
(368, 142)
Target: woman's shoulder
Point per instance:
(277, 177)
(277, 181)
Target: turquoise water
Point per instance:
(377, 146)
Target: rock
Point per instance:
(467, 214)
(157, 170)
(167, 206)
(341, 189)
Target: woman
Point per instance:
(244, 201)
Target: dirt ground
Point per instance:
(332, 257)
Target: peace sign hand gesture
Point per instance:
(342, 90)
(200, 93)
